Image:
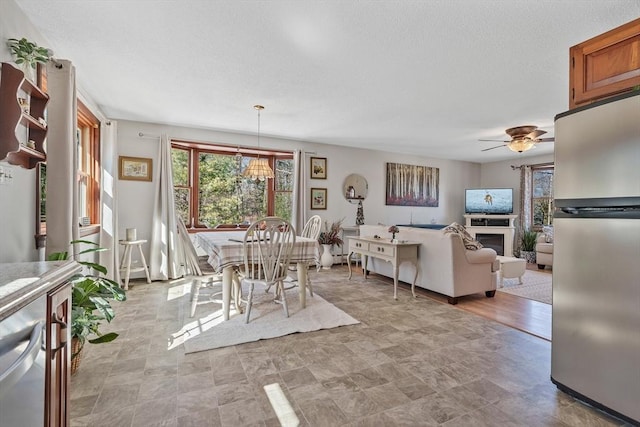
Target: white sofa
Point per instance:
(446, 266)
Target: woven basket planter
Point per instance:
(76, 354)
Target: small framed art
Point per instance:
(318, 168)
(318, 198)
(135, 168)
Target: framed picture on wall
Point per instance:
(135, 168)
(412, 185)
(318, 198)
(318, 168)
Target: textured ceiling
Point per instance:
(421, 77)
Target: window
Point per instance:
(41, 208)
(542, 196)
(88, 146)
(210, 190)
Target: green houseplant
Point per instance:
(90, 302)
(528, 246)
(28, 53)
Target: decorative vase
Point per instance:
(326, 259)
(360, 214)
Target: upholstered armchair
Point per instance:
(544, 248)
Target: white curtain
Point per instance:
(525, 204)
(109, 200)
(298, 217)
(164, 260)
(62, 163)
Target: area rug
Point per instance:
(206, 330)
(535, 286)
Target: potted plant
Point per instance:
(90, 303)
(528, 246)
(28, 54)
(393, 230)
(328, 237)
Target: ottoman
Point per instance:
(511, 268)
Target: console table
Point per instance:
(347, 233)
(384, 249)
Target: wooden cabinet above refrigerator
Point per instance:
(605, 65)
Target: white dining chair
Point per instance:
(205, 276)
(312, 230)
(267, 249)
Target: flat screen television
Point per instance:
(494, 201)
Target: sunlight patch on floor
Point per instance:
(281, 406)
(199, 324)
(179, 290)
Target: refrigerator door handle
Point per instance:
(626, 212)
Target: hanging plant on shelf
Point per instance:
(28, 54)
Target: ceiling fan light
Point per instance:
(520, 145)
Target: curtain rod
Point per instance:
(146, 135)
(514, 167)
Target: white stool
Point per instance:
(511, 268)
(125, 262)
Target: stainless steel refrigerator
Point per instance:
(595, 345)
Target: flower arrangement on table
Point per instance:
(393, 230)
(331, 234)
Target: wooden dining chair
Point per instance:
(312, 230)
(267, 249)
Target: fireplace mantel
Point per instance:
(493, 224)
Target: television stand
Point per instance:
(481, 225)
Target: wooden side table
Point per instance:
(125, 262)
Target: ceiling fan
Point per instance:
(523, 138)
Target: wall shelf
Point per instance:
(21, 122)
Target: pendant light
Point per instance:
(258, 169)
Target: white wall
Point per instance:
(135, 198)
(18, 198)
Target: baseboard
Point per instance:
(593, 403)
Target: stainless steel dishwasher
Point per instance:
(22, 366)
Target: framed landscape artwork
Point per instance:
(410, 185)
(318, 198)
(135, 168)
(318, 168)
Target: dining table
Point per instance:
(225, 253)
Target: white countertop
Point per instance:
(23, 282)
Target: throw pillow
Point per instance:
(469, 242)
(548, 233)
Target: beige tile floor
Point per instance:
(410, 363)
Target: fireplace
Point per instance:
(493, 231)
(493, 241)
